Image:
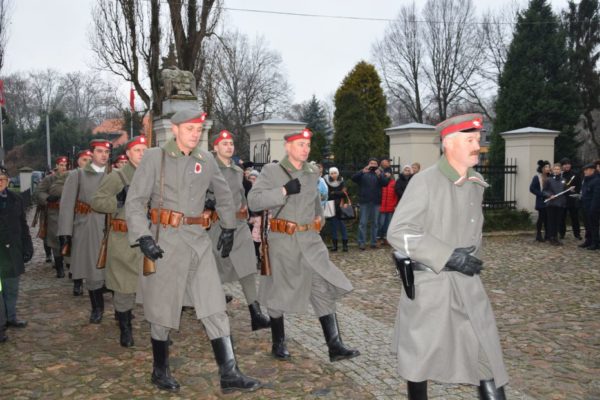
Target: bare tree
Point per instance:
(19, 102)
(400, 59)
(5, 10)
(249, 84)
(453, 48)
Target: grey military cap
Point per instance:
(189, 115)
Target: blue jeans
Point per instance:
(334, 224)
(368, 212)
(384, 223)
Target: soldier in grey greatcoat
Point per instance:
(240, 265)
(81, 228)
(447, 333)
(123, 263)
(174, 179)
(301, 269)
(47, 194)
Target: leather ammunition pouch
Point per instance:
(54, 205)
(82, 208)
(175, 218)
(289, 227)
(118, 225)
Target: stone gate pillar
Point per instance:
(526, 146)
(270, 131)
(414, 142)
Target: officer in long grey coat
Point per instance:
(47, 194)
(82, 228)
(174, 179)
(240, 265)
(123, 263)
(301, 269)
(448, 332)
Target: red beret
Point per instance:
(84, 153)
(62, 159)
(122, 157)
(460, 123)
(303, 134)
(135, 141)
(224, 134)
(100, 143)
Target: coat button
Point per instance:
(472, 220)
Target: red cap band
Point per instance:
(137, 140)
(224, 134)
(62, 159)
(303, 134)
(474, 124)
(84, 153)
(122, 157)
(197, 120)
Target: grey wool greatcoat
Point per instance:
(294, 258)
(440, 333)
(86, 229)
(187, 272)
(242, 259)
(123, 263)
(51, 186)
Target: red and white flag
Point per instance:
(132, 99)
(2, 98)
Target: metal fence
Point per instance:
(503, 184)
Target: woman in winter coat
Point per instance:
(556, 204)
(337, 192)
(386, 208)
(402, 181)
(536, 188)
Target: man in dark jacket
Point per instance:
(16, 248)
(590, 201)
(570, 179)
(370, 180)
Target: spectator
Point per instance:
(556, 203)
(337, 192)
(16, 248)
(402, 181)
(387, 206)
(536, 187)
(322, 186)
(416, 167)
(590, 202)
(570, 179)
(370, 180)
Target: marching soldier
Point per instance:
(301, 269)
(121, 161)
(83, 158)
(174, 179)
(123, 263)
(47, 195)
(446, 330)
(81, 228)
(240, 265)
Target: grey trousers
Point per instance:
(10, 293)
(249, 288)
(216, 326)
(123, 301)
(93, 285)
(320, 298)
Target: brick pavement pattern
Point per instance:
(546, 301)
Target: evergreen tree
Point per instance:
(360, 117)
(536, 87)
(316, 120)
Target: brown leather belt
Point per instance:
(118, 225)
(82, 208)
(290, 227)
(175, 218)
(55, 205)
(242, 214)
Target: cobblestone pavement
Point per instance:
(546, 300)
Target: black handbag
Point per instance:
(347, 210)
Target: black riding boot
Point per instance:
(231, 377)
(334, 247)
(279, 349)
(258, 319)
(345, 245)
(125, 327)
(417, 390)
(538, 237)
(77, 287)
(48, 251)
(97, 300)
(161, 374)
(489, 391)
(337, 350)
(58, 264)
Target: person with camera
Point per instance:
(370, 181)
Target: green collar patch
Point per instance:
(449, 172)
(172, 150)
(306, 167)
(232, 165)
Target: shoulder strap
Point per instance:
(78, 183)
(162, 187)
(122, 176)
(287, 198)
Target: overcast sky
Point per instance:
(317, 52)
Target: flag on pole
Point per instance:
(132, 99)
(2, 98)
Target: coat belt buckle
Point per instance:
(290, 227)
(175, 219)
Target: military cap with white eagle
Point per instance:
(460, 123)
(188, 116)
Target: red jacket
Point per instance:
(388, 198)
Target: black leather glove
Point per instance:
(462, 261)
(292, 187)
(150, 248)
(64, 240)
(27, 255)
(225, 243)
(122, 196)
(52, 198)
(209, 204)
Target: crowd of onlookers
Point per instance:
(560, 192)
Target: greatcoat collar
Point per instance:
(449, 172)
(173, 151)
